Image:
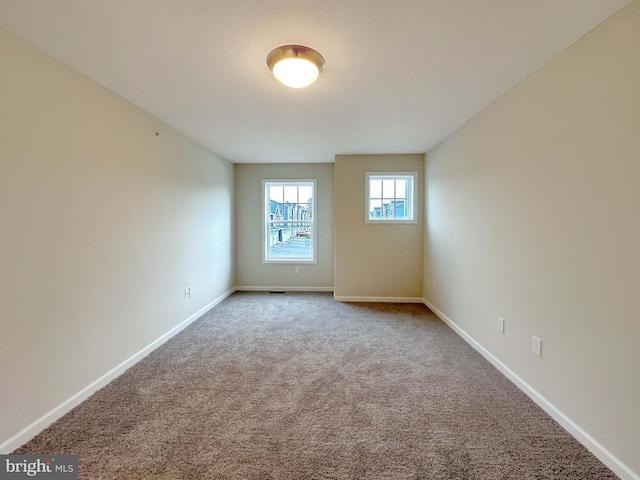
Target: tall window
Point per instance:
(289, 221)
(390, 198)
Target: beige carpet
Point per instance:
(297, 386)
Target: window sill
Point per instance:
(289, 261)
(391, 222)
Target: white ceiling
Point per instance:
(400, 76)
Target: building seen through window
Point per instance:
(290, 221)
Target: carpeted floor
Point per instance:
(297, 386)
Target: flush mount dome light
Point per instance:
(295, 66)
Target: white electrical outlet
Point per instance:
(501, 324)
(297, 269)
(536, 346)
(186, 293)
(190, 291)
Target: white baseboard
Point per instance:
(27, 433)
(378, 299)
(604, 455)
(245, 288)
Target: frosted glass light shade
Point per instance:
(295, 66)
(295, 72)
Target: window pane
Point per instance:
(293, 240)
(305, 211)
(387, 207)
(305, 194)
(401, 189)
(375, 208)
(276, 194)
(291, 194)
(388, 188)
(399, 209)
(375, 189)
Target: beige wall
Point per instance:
(533, 214)
(375, 260)
(250, 271)
(103, 226)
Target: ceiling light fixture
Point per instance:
(295, 66)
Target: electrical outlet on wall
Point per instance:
(186, 293)
(536, 346)
(501, 324)
(190, 291)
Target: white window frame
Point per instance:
(265, 221)
(412, 206)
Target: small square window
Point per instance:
(390, 197)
